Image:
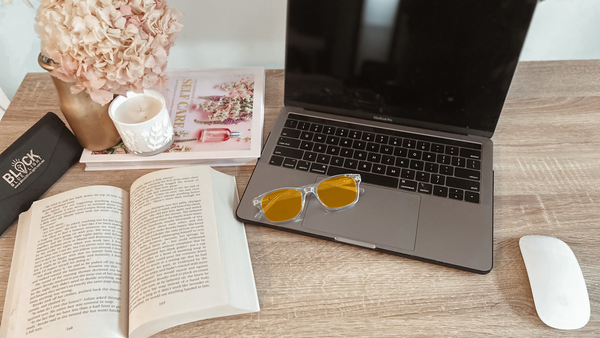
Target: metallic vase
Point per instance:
(88, 119)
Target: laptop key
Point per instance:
(408, 143)
(423, 177)
(350, 163)
(395, 141)
(438, 179)
(402, 162)
(355, 134)
(318, 168)
(408, 185)
(319, 138)
(423, 145)
(316, 128)
(342, 132)
(444, 159)
(458, 161)
(347, 152)
(417, 165)
(373, 147)
(336, 160)
(320, 148)
(305, 145)
(456, 194)
(364, 166)
(378, 169)
(446, 170)
(359, 145)
(373, 157)
(288, 142)
(382, 139)
(346, 142)
(473, 164)
(454, 182)
(407, 173)
(303, 165)
(291, 123)
(385, 149)
(415, 154)
(451, 150)
(322, 158)
(425, 188)
(470, 153)
(309, 156)
(287, 132)
(429, 157)
(369, 137)
(329, 130)
(276, 160)
(307, 135)
(287, 152)
(431, 167)
(393, 171)
(440, 191)
(387, 160)
(400, 152)
(472, 197)
(333, 150)
(290, 163)
(303, 125)
(437, 148)
(360, 155)
(370, 178)
(466, 173)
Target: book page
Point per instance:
(175, 263)
(73, 281)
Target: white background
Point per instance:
(231, 33)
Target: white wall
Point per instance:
(229, 33)
(564, 30)
(216, 33)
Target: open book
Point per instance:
(101, 262)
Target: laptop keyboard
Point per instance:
(418, 163)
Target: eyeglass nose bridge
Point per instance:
(309, 189)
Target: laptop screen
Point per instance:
(438, 64)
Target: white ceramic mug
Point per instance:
(143, 121)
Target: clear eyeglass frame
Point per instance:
(305, 191)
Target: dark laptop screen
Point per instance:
(441, 64)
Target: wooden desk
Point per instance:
(547, 165)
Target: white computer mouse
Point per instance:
(559, 291)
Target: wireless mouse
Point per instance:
(559, 291)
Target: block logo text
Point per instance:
(22, 168)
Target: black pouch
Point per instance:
(32, 164)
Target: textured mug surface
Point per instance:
(149, 137)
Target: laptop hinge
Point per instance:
(353, 242)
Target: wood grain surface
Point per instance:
(547, 182)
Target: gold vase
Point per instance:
(88, 119)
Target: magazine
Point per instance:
(217, 119)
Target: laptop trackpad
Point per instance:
(381, 217)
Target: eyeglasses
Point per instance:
(286, 204)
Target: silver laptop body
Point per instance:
(413, 203)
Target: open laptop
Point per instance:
(406, 93)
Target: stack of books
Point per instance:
(217, 116)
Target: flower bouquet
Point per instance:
(107, 47)
(97, 49)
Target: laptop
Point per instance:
(406, 93)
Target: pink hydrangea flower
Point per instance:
(108, 47)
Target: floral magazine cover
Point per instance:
(217, 119)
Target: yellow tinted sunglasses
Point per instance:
(286, 204)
